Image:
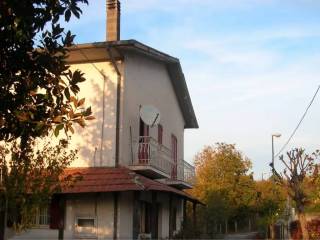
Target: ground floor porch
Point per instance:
(105, 205)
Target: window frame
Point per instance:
(37, 218)
(85, 235)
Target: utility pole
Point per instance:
(277, 135)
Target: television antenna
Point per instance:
(150, 115)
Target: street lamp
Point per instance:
(277, 135)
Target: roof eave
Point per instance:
(173, 66)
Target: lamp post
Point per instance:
(271, 226)
(277, 135)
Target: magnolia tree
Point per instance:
(299, 167)
(39, 97)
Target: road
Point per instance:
(249, 236)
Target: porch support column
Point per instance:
(154, 217)
(3, 209)
(62, 208)
(170, 217)
(136, 215)
(115, 214)
(194, 214)
(184, 224)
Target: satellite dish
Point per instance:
(150, 115)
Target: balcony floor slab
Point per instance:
(180, 184)
(149, 171)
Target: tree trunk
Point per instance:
(303, 225)
(272, 233)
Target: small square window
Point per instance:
(85, 222)
(85, 227)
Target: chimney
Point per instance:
(113, 20)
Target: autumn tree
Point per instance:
(270, 204)
(223, 183)
(38, 96)
(299, 167)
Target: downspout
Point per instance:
(113, 61)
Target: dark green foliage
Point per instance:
(38, 96)
(35, 83)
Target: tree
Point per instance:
(36, 84)
(299, 167)
(270, 203)
(38, 96)
(223, 183)
(29, 186)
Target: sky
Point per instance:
(251, 66)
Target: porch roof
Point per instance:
(107, 179)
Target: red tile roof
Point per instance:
(103, 179)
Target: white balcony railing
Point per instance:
(148, 152)
(187, 172)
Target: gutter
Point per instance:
(118, 107)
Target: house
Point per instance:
(133, 173)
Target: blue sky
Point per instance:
(251, 66)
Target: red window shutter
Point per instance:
(56, 213)
(174, 149)
(160, 133)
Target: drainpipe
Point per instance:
(113, 61)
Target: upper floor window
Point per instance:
(144, 129)
(160, 134)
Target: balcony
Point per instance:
(185, 176)
(155, 161)
(152, 159)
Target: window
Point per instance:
(160, 133)
(85, 227)
(41, 218)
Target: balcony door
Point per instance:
(174, 149)
(144, 147)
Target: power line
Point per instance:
(300, 122)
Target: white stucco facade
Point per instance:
(96, 142)
(146, 82)
(143, 81)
